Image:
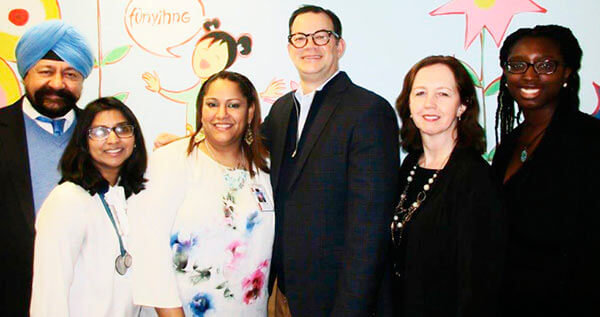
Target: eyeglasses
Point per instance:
(544, 67)
(102, 133)
(320, 38)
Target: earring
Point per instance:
(506, 85)
(249, 136)
(565, 85)
(459, 118)
(200, 136)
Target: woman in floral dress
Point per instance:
(203, 243)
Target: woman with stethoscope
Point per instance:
(81, 262)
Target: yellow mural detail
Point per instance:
(485, 4)
(10, 91)
(20, 16)
(52, 9)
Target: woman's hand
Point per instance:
(164, 139)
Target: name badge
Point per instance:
(262, 199)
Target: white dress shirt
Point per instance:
(305, 101)
(30, 111)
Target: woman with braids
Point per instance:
(546, 167)
(448, 230)
(204, 230)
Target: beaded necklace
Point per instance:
(402, 215)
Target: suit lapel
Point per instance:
(330, 102)
(12, 135)
(278, 146)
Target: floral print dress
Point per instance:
(221, 237)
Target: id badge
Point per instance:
(262, 199)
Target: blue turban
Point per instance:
(56, 36)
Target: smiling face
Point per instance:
(225, 114)
(53, 87)
(314, 63)
(208, 58)
(108, 155)
(435, 102)
(531, 90)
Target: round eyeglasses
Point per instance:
(543, 67)
(102, 133)
(320, 38)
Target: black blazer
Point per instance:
(553, 262)
(452, 249)
(16, 209)
(332, 228)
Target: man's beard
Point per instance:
(67, 101)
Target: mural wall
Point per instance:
(155, 54)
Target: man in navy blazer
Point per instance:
(53, 59)
(334, 162)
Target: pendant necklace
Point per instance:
(402, 215)
(123, 261)
(524, 153)
(239, 164)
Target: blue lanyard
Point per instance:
(112, 220)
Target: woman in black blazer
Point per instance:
(448, 228)
(547, 169)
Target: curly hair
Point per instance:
(571, 54)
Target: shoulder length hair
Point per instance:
(77, 165)
(255, 153)
(470, 133)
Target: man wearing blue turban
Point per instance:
(53, 60)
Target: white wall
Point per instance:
(384, 39)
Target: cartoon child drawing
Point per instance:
(215, 51)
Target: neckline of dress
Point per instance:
(215, 162)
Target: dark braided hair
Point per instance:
(571, 54)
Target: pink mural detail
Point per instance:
(3, 98)
(493, 15)
(596, 112)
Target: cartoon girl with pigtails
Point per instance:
(214, 52)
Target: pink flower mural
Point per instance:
(493, 15)
(596, 112)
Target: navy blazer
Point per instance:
(16, 208)
(332, 227)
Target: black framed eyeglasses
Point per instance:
(543, 67)
(320, 38)
(102, 133)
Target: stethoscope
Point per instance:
(123, 261)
